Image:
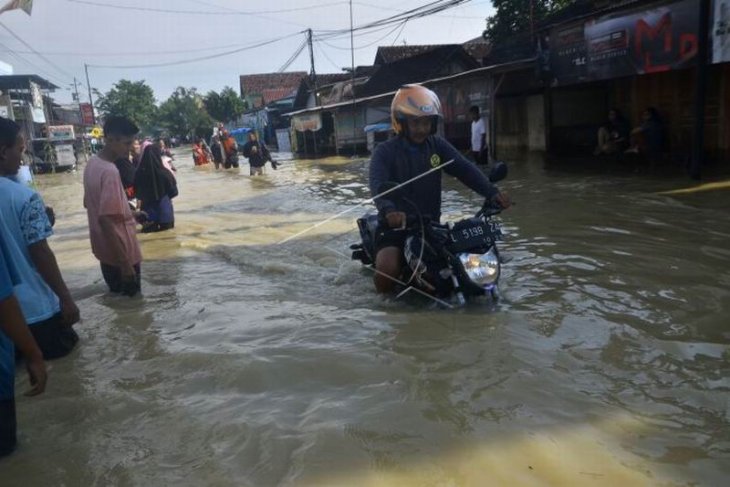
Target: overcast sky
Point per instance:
(69, 33)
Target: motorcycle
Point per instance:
(446, 260)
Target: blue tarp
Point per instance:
(241, 134)
(377, 127)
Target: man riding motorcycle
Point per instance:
(415, 113)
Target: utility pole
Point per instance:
(700, 95)
(78, 101)
(352, 83)
(91, 100)
(312, 72)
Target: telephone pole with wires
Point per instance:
(312, 72)
(352, 84)
(91, 100)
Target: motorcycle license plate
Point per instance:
(474, 233)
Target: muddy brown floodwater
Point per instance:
(251, 363)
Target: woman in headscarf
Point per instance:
(155, 186)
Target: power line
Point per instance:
(324, 53)
(293, 57)
(399, 26)
(51, 63)
(418, 12)
(380, 7)
(229, 11)
(133, 53)
(253, 14)
(38, 69)
(402, 27)
(203, 58)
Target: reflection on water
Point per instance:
(252, 363)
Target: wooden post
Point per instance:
(698, 146)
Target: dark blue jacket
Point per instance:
(397, 160)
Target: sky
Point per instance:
(66, 34)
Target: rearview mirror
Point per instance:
(498, 172)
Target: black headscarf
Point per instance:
(153, 181)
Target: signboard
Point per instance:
(569, 53)
(659, 39)
(305, 122)
(61, 132)
(65, 155)
(721, 31)
(651, 41)
(37, 115)
(87, 113)
(96, 132)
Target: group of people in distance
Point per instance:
(148, 177)
(224, 152)
(616, 135)
(38, 312)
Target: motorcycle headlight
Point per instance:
(482, 269)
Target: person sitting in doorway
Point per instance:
(648, 138)
(613, 136)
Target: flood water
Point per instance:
(247, 362)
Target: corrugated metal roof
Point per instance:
(505, 67)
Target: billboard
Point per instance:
(658, 39)
(721, 31)
(569, 52)
(87, 113)
(61, 132)
(651, 41)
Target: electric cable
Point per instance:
(38, 69)
(293, 57)
(51, 63)
(193, 60)
(198, 12)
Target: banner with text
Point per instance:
(659, 39)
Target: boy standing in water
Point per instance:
(14, 330)
(46, 302)
(111, 222)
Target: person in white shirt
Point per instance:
(479, 151)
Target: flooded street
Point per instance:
(246, 362)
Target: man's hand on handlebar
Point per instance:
(396, 219)
(503, 200)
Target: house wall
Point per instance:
(349, 130)
(536, 136)
(511, 127)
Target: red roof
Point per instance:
(255, 84)
(274, 94)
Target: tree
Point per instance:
(226, 106)
(513, 16)
(183, 113)
(132, 99)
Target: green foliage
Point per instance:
(132, 99)
(513, 16)
(226, 106)
(184, 114)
